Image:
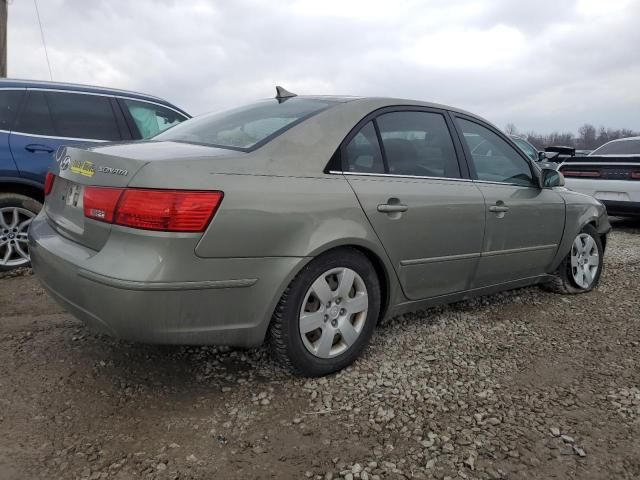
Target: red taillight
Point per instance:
(580, 173)
(100, 203)
(635, 175)
(164, 210)
(48, 183)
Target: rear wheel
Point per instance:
(581, 269)
(16, 213)
(328, 313)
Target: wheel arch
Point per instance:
(29, 189)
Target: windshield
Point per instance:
(246, 127)
(619, 147)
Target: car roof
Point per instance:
(623, 139)
(76, 87)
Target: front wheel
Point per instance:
(328, 313)
(581, 269)
(16, 213)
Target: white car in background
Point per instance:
(611, 174)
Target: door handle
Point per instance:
(386, 208)
(36, 147)
(498, 208)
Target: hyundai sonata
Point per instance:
(305, 220)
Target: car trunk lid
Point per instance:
(112, 166)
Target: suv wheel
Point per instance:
(16, 213)
(328, 313)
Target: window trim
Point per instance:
(371, 117)
(469, 158)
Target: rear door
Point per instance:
(524, 223)
(49, 119)
(403, 166)
(10, 101)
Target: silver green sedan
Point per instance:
(305, 220)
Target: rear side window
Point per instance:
(362, 154)
(418, 143)
(494, 159)
(246, 127)
(69, 115)
(151, 119)
(9, 104)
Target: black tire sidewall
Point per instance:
(301, 359)
(593, 233)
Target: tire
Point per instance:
(16, 213)
(313, 337)
(567, 278)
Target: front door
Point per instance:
(524, 223)
(429, 219)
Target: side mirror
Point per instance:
(542, 156)
(552, 178)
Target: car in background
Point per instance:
(38, 117)
(611, 174)
(305, 220)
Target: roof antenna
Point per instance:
(282, 94)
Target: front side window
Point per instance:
(494, 159)
(362, 154)
(245, 127)
(151, 119)
(418, 143)
(9, 104)
(35, 117)
(526, 147)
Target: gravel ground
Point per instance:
(526, 384)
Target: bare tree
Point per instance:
(511, 129)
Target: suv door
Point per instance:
(10, 101)
(49, 119)
(524, 223)
(403, 166)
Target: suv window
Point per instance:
(619, 147)
(152, 119)
(246, 127)
(526, 147)
(72, 115)
(9, 104)
(418, 143)
(494, 159)
(362, 154)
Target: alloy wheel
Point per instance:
(585, 260)
(14, 247)
(334, 312)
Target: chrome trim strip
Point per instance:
(494, 253)
(165, 286)
(447, 258)
(467, 256)
(390, 175)
(507, 184)
(53, 137)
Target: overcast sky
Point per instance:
(543, 64)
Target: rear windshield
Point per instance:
(623, 147)
(247, 127)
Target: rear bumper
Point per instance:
(216, 301)
(622, 209)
